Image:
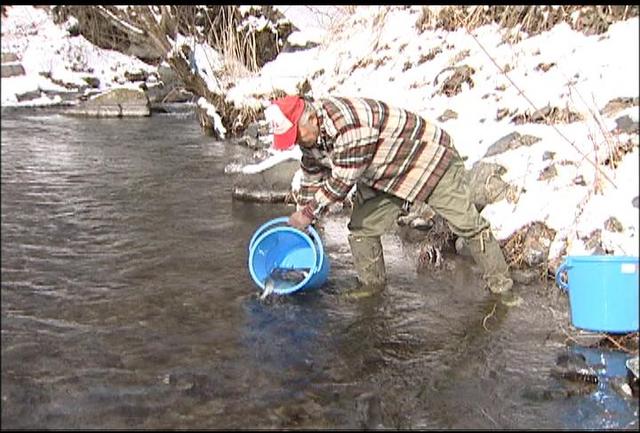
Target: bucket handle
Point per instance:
(264, 227)
(319, 249)
(561, 270)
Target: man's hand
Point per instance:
(299, 220)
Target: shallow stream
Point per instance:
(127, 303)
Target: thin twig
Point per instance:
(489, 417)
(487, 316)
(618, 345)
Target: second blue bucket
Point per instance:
(603, 292)
(277, 245)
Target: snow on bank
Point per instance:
(275, 158)
(44, 48)
(390, 61)
(377, 52)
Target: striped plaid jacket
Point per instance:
(386, 148)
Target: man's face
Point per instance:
(308, 132)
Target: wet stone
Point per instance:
(620, 385)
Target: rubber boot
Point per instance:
(368, 259)
(486, 252)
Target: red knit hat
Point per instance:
(283, 115)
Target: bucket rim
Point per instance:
(602, 258)
(270, 232)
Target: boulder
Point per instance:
(270, 185)
(510, 141)
(9, 57)
(169, 77)
(92, 82)
(11, 70)
(162, 94)
(626, 125)
(120, 102)
(11, 66)
(293, 46)
(28, 96)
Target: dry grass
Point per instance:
(618, 104)
(530, 19)
(430, 55)
(453, 84)
(437, 240)
(459, 57)
(514, 249)
(618, 151)
(239, 51)
(501, 113)
(625, 342)
(517, 245)
(548, 115)
(93, 26)
(544, 67)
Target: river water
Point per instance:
(127, 303)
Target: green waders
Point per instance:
(374, 212)
(450, 199)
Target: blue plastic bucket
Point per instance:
(603, 292)
(277, 245)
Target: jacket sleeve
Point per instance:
(313, 175)
(352, 153)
